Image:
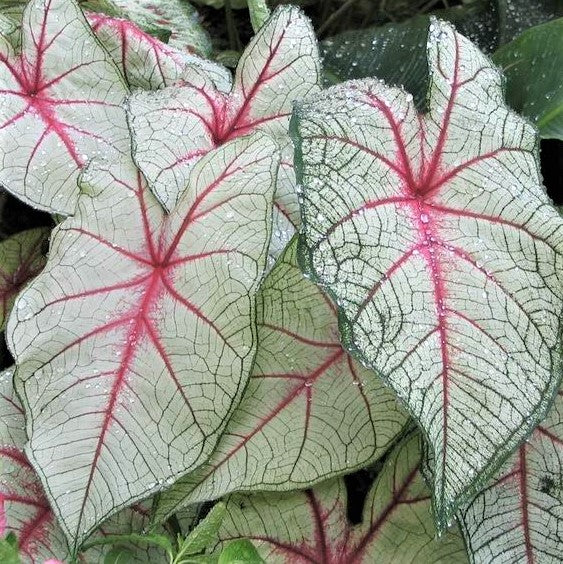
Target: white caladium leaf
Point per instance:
(25, 509)
(435, 236)
(148, 63)
(518, 517)
(309, 411)
(21, 258)
(175, 126)
(127, 369)
(60, 104)
(312, 526)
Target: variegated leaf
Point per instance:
(435, 236)
(25, 508)
(312, 526)
(175, 126)
(137, 339)
(21, 259)
(518, 517)
(61, 102)
(309, 411)
(148, 63)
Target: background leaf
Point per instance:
(518, 517)
(21, 258)
(532, 64)
(312, 526)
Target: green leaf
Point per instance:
(205, 533)
(532, 65)
(435, 236)
(518, 517)
(166, 361)
(119, 555)
(9, 552)
(240, 552)
(61, 102)
(259, 13)
(309, 411)
(21, 258)
(312, 526)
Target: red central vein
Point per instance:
(120, 377)
(523, 485)
(320, 537)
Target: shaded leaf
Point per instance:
(49, 127)
(309, 411)
(21, 258)
(445, 255)
(533, 64)
(312, 526)
(127, 369)
(518, 517)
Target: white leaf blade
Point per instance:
(453, 201)
(518, 516)
(281, 64)
(49, 127)
(123, 285)
(309, 411)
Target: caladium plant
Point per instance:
(313, 527)
(175, 126)
(443, 253)
(117, 346)
(309, 411)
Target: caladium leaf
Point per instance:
(21, 258)
(147, 62)
(25, 508)
(444, 255)
(309, 411)
(60, 104)
(518, 517)
(312, 526)
(175, 126)
(127, 369)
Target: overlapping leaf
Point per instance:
(60, 104)
(26, 509)
(175, 126)
(309, 411)
(312, 526)
(444, 255)
(134, 342)
(21, 258)
(148, 63)
(518, 517)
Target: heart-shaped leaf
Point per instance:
(21, 259)
(175, 126)
(60, 104)
(435, 236)
(518, 517)
(136, 340)
(25, 507)
(149, 63)
(309, 411)
(312, 526)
